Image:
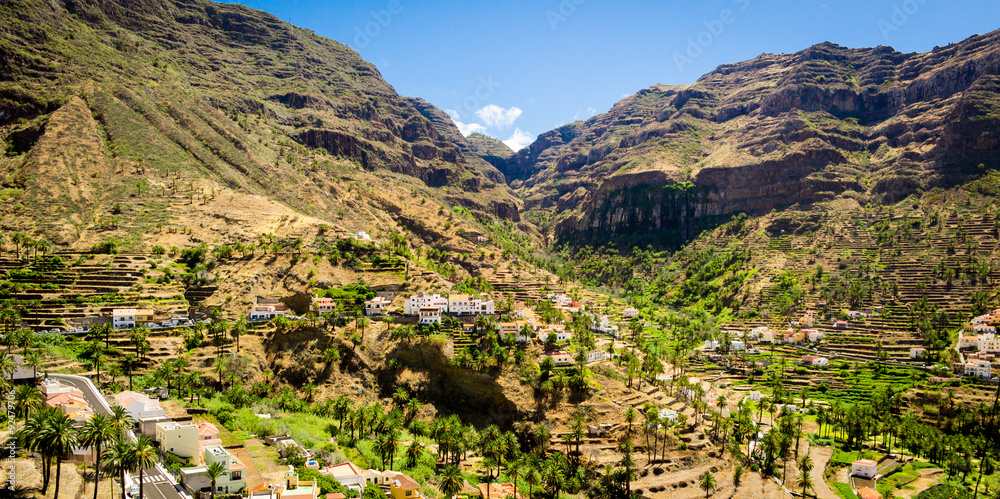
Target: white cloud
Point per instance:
(466, 128)
(592, 111)
(496, 116)
(519, 140)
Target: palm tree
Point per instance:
(451, 481)
(214, 471)
(707, 483)
(120, 420)
(59, 440)
(8, 366)
(240, 327)
(27, 399)
(146, 456)
(95, 432)
(119, 459)
(34, 360)
(130, 360)
(805, 466)
(413, 453)
(362, 323)
(533, 478)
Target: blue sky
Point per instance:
(519, 68)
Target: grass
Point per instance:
(843, 490)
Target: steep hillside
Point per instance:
(870, 125)
(492, 150)
(122, 116)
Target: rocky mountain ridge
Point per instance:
(826, 123)
(190, 97)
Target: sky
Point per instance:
(519, 68)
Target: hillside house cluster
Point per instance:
(429, 308)
(67, 398)
(980, 338)
(394, 484)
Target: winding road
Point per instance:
(158, 482)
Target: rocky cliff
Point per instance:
(873, 125)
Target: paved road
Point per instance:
(158, 482)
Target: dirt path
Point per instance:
(821, 457)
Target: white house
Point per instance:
(767, 335)
(969, 341)
(754, 396)
(376, 306)
(979, 368)
(918, 353)
(711, 345)
(138, 405)
(813, 335)
(864, 468)
(429, 315)
(559, 299)
(630, 312)
(596, 355)
(347, 474)
(463, 304)
(180, 439)
(562, 359)
(231, 482)
(129, 317)
(414, 303)
(668, 415)
(815, 360)
(266, 309)
(737, 345)
(514, 328)
(321, 304)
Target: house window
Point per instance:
(237, 475)
(409, 493)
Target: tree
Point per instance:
(707, 483)
(451, 481)
(362, 323)
(95, 432)
(58, 439)
(119, 459)
(8, 366)
(214, 471)
(805, 466)
(146, 456)
(413, 453)
(27, 399)
(240, 328)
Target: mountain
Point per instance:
(141, 115)
(492, 150)
(827, 123)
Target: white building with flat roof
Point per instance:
(180, 439)
(414, 303)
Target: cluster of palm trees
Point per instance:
(23, 242)
(51, 434)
